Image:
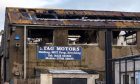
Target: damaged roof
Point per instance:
(73, 18)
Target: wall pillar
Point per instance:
(60, 37)
(138, 39)
(101, 39)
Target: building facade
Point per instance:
(36, 41)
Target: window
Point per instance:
(82, 37)
(40, 36)
(123, 38)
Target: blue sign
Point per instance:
(17, 37)
(59, 53)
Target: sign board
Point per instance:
(59, 53)
(17, 37)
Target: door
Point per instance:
(69, 80)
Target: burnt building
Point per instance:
(58, 41)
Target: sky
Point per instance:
(109, 5)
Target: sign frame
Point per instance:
(65, 59)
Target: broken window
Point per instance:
(123, 38)
(40, 36)
(131, 38)
(82, 36)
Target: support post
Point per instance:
(134, 70)
(119, 71)
(126, 80)
(113, 72)
(25, 52)
(108, 57)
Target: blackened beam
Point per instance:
(108, 55)
(78, 27)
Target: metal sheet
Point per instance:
(67, 71)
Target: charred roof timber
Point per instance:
(81, 18)
(80, 14)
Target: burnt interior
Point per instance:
(82, 36)
(71, 14)
(40, 35)
(127, 37)
(56, 16)
(85, 36)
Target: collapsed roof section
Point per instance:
(74, 18)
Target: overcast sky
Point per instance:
(111, 5)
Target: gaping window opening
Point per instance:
(124, 38)
(82, 37)
(40, 36)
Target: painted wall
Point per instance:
(92, 58)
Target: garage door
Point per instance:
(69, 80)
